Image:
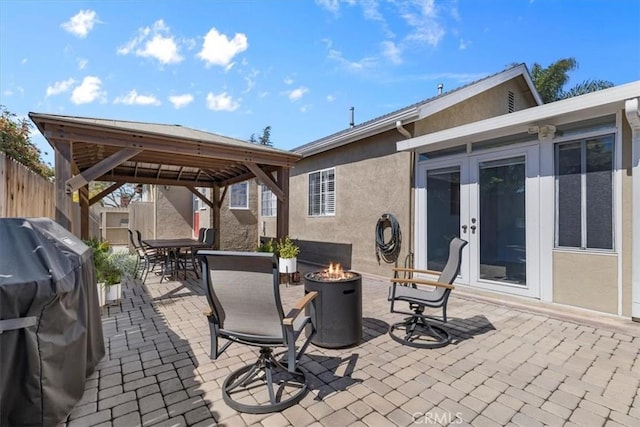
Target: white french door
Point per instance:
(492, 201)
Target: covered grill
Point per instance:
(50, 329)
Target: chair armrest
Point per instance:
(297, 309)
(423, 282)
(413, 270)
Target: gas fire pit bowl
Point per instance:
(338, 307)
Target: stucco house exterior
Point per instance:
(548, 198)
(346, 181)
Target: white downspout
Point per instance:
(632, 111)
(404, 132)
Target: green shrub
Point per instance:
(268, 246)
(285, 248)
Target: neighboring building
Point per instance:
(346, 181)
(173, 212)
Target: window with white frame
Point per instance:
(268, 202)
(584, 193)
(322, 192)
(239, 196)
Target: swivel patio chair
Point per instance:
(243, 293)
(418, 330)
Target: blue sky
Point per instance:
(234, 67)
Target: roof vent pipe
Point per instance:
(352, 122)
(440, 87)
(402, 130)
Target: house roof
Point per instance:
(417, 111)
(579, 108)
(151, 153)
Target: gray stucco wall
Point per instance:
(371, 179)
(239, 227)
(174, 212)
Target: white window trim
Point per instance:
(264, 189)
(334, 192)
(614, 202)
(246, 207)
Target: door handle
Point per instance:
(464, 228)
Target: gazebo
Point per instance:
(118, 151)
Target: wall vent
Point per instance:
(511, 103)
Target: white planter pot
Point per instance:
(113, 292)
(288, 265)
(102, 299)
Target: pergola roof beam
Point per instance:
(100, 169)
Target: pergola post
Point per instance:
(215, 213)
(63, 173)
(282, 222)
(83, 197)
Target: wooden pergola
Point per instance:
(90, 149)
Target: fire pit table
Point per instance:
(338, 306)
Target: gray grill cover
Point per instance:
(50, 328)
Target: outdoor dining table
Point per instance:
(172, 248)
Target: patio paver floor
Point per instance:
(508, 366)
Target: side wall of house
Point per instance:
(239, 227)
(371, 179)
(174, 212)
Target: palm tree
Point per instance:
(550, 81)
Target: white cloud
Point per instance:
(7, 92)
(217, 49)
(363, 64)
(331, 98)
(221, 102)
(154, 42)
(391, 51)
(24, 61)
(251, 80)
(81, 23)
(288, 81)
(422, 17)
(82, 63)
(298, 93)
(60, 87)
(463, 44)
(305, 108)
(88, 91)
(333, 6)
(180, 101)
(134, 98)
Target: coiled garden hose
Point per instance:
(388, 250)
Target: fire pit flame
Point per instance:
(333, 273)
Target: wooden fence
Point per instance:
(24, 193)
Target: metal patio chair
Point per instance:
(418, 330)
(147, 258)
(243, 293)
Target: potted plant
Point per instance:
(267, 246)
(100, 251)
(118, 266)
(287, 253)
